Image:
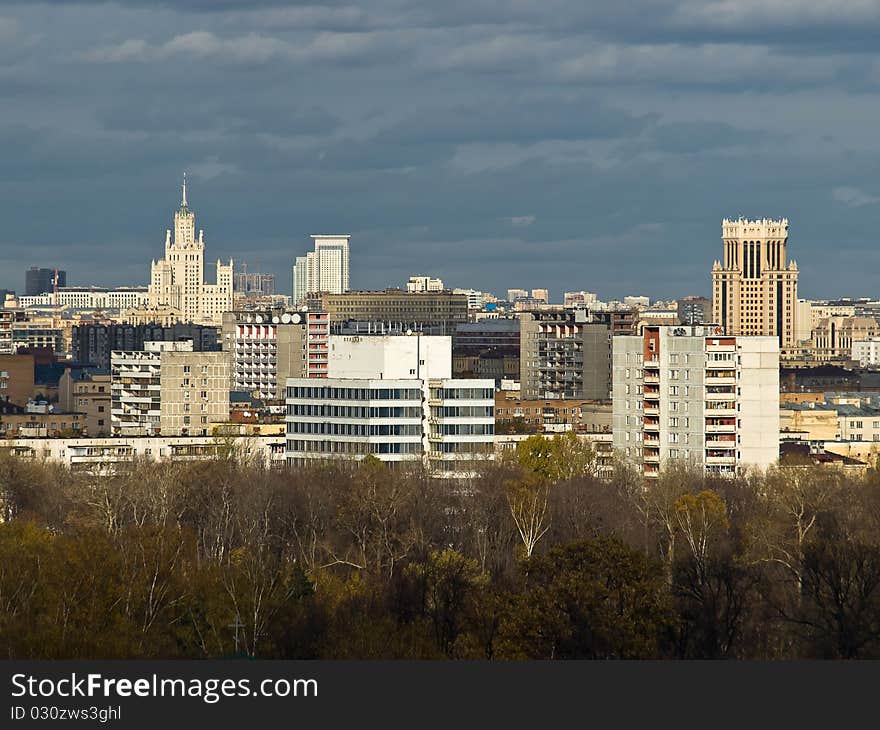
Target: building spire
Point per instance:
(183, 202)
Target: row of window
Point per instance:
(463, 393)
(356, 429)
(353, 447)
(355, 411)
(330, 393)
(465, 429)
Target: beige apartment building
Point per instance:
(754, 287)
(87, 392)
(169, 389)
(194, 392)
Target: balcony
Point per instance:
(652, 378)
(720, 412)
(721, 460)
(651, 410)
(716, 444)
(651, 458)
(713, 379)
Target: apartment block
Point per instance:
(696, 395)
(565, 354)
(267, 347)
(16, 378)
(168, 388)
(93, 343)
(87, 391)
(7, 318)
(194, 391)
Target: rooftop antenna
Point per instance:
(183, 201)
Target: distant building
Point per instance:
(578, 299)
(93, 343)
(834, 338)
(424, 283)
(514, 294)
(90, 297)
(867, 352)
(40, 280)
(541, 295)
(178, 280)
(486, 334)
(693, 395)
(326, 269)
(754, 289)
(537, 416)
(694, 310)
(474, 297)
(442, 311)
(254, 283)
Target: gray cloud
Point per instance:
(491, 142)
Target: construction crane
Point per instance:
(56, 313)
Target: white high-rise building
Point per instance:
(178, 280)
(693, 394)
(394, 397)
(323, 270)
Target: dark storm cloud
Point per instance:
(491, 142)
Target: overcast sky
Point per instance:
(561, 144)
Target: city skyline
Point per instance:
(485, 142)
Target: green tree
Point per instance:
(597, 599)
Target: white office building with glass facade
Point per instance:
(392, 397)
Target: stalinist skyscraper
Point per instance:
(754, 291)
(178, 280)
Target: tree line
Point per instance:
(544, 554)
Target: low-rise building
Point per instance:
(512, 413)
(102, 455)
